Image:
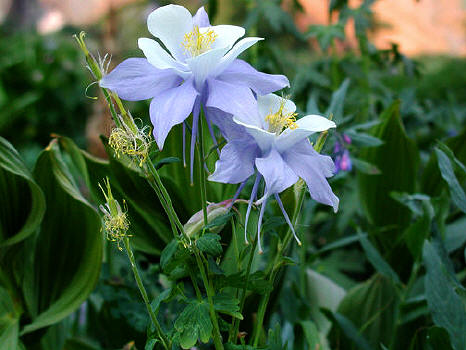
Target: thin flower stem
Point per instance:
(210, 293)
(164, 196)
(236, 322)
(275, 268)
(201, 161)
(143, 291)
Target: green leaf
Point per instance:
(26, 202)
(210, 243)
(324, 293)
(173, 256)
(337, 102)
(166, 161)
(155, 304)
(193, 324)
(363, 140)
(274, 340)
(432, 338)
(377, 260)
(415, 202)
(365, 167)
(432, 183)
(257, 282)
(446, 170)
(325, 34)
(9, 321)
(397, 160)
(65, 263)
(455, 235)
(150, 344)
(228, 305)
(371, 307)
(311, 334)
(447, 308)
(349, 329)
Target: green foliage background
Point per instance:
(387, 272)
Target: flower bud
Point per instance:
(116, 223)
(214, 210)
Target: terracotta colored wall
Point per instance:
(419, 27)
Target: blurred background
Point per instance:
(45, 88)
(360, 60)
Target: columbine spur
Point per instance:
(199, 69)
(272, 144)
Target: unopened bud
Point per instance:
(214, 210)
(116, 223)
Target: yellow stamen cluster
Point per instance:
(116, 222)
(125, 141)
(196, 42)
(280, 120)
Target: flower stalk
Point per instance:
(142, 289)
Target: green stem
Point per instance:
(275, 268)
(137, 277)
(201, 161)
(236, 322)
(210, 293)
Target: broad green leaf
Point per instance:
(337, 102)
(9, 321)
(350, 330)
(210, 243)
(376, 259)
(446, 170)
(274, 339)
(432, 183)
(371, 306)
(311, 334)
(194, 323)
(322, 292)
(342, 242)
(432, 338)
(397, 160)
(415, 202)
(447, 308)
(65, 263)
(365, 167)
(150, 344)
(24, 201)
(455, 234)
(361, 139)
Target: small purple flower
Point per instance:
(273, 145)
(343, 162)
(199, 69)
(342, 156)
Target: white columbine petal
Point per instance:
(158, 57)
(235, 51)
(202, 65)
(170, 23)
(264, 139)
(305, 126)
(271, 103)
(226, 35)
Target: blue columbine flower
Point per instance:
(199, 68)
(272, 144)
